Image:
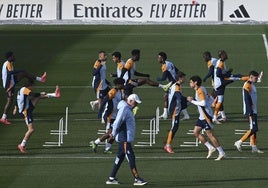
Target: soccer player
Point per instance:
(221, 79)
(117, 59)
(217, 69)
(26, 103)
(123, 72)
(203, 103)
(250, 111)
(169, 71)
(99, 82)
(114, 96)
(176, 103)
(128, 72)
(124, 133)
(130, 66)
(211, 64)
(10, 78)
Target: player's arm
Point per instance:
(124, 70)
(209, 74)
(11, 71)
(175, 102)
(219, 72)
(178, 97)
(106, 98)
(248, 102)
(164, 76)
(199, 103)
(107, 82)
(96, 68)
(176, 69)
(202, 99)
(128, 65)
(9, 68)
(118, 121)
(102, 106)
(219, 69)
(96, 71)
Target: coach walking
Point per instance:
(124, 133)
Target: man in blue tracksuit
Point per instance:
(124, 133)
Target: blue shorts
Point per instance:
(28, 114)
(220, 90)
(203, 124)
(102, 93)
(254, 124)
(130, 85)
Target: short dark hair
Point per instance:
(9, 54)
(180, 74)
(163, 55)
(119, 81)
(102, 52)
(221, 52)
(196, 79)
(135, 52)
(117, 54)
(207, 55)
(254, 73)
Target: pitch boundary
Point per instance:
(112, 157)
(143, 34)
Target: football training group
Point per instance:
(117, 103)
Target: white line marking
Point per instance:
(112, 157)
(135, 34)
(265, 44)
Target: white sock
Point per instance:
(51, 95)
(254, 147)
(97, 141)
(185, 113)
(220, 150)
(38, 78)
(96, 102)
(4, 116)
(107, 146)
(160, 85)
(165, 111)
(208, 145)
(223, 114)
(234, 78)
(23, 143)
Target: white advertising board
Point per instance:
(245, 10)
(141, 10)
(28, 9)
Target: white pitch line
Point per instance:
(112, 157)
(138, 34)
(265, 44)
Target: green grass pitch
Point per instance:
(67, 53)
